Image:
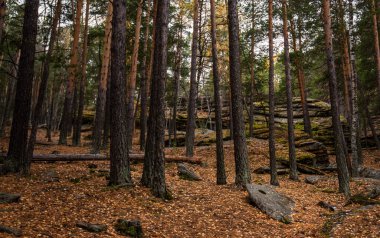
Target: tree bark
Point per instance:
(157, 103)
(3, 9)
(102, 89)
(82, 84)
(252, 71)
(147, 176)
(289, 95)
(272, 142)
(66, 123)
(376, 43)
(242, 170)
(120, 166)
(191, 107)
(16, 160)
(132, 77)
(144, 78)
(343, 174)
(44, 82)
(220, 167)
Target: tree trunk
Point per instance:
(252, 69)
(3, 9)
(177, 77)
(243, 175)
(102, 89)
(72, 72)
(107, 119)
(147, 176)
(191, 107)
(120, 166)
(343, 174)
(272, 142)
(16, 160)
(355, 135)
(376, 43)
(44, 82)
(144, 78)
(289, 95)
(157, 102)
(132, 77)
(82, 84)
(220, 167)
(10, 98)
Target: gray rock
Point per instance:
(96, 228)
(276, 205)
(187, 173)
(313, 179)
(11, 231)
(129, 228)
(51, 176)
(9, 198)
(369, 173)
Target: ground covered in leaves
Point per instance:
(199, 209)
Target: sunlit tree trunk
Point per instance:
(66, 123)
(376, 43)
(132, 77)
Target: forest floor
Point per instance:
(199, 209)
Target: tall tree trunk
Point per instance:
(272, 142)
(177, 76)
(355, 135)
(3, 9)
(157, 103)
(252, 69)
(132, 77)
(10, 98)
(347, 71)
(102, 89)
(243, 174)
(220, 167)
(144, 78)
(376, 43)
(16, 160)
(82, 84)
(301, 74)
(44, 82)
(289, 95)
(343, 174)
(371, 125)
(147, 176)
(191, 107)
(107, 119)
(120, 166)
(72, 72)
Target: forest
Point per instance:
(189, 118)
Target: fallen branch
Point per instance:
(101, 157)
(304, 168)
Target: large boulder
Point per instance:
(276, 205)
(187, 173)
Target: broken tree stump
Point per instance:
(276, 205)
